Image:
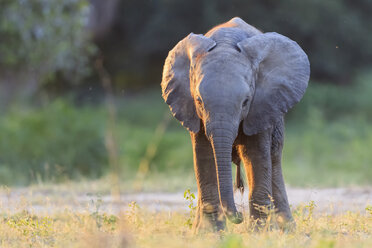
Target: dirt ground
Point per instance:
(328, 201)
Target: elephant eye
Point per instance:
(245, 103)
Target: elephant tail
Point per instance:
(239, 183)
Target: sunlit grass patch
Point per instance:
(139, 227)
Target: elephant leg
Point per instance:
(278, 186)
(255, 153)
(209, 213)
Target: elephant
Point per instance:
(230, 88)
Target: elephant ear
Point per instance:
(282, 74)
(176, 79)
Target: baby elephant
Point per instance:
(231, 88)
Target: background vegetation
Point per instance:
(335, 34)
(57, 116)
(328, 140)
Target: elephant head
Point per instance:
(229, 77)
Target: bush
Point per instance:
(335, 34)
(336, 103)
(40, 39)
(53, 142)
(328, 140)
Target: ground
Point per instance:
(58, 216)
(54, 200)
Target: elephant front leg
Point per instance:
(209, 213)
(284, 216)
(255, 153)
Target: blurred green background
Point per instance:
(80, 96)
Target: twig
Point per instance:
(144, 165)
(110, 141)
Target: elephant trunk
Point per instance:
(222, 140)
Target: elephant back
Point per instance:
(232, 32)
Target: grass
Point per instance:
(138, 227)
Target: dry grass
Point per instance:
(138, 227)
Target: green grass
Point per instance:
(327, 142)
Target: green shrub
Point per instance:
(47, 36)
(335, 102)
(328, 136)
(53, 142)
(332, 153)
(335, 34)
(328, 140)
(42, 41)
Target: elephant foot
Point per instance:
(262, 216)
(261, 210)
(235, 218)
(267, 218)
(285, 222)
(209, 222)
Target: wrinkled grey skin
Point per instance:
(231, 89)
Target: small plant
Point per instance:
(110, 221)
(102, 219)
(133, 207)
(369, 209)
(96, 215)
(190, 197)
(310, 211)
(133, 213)
(38, 230)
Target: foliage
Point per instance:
(369, 209)
(44, 34)
(190, 197)
(328, 135)
(337, 103)
(335, 34)
(101, 218)
(37, 229)
(305, 213)
(327, 143)
(40, 39)
(53, 142)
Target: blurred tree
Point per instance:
(335, 34)
(38, 39)
(43, 38)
